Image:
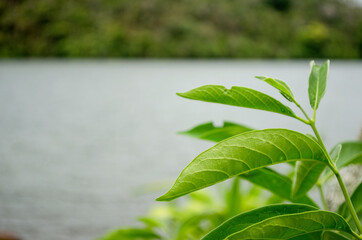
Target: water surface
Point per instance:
(79, 138)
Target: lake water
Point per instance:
(80, 139)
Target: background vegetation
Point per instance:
(181, 29)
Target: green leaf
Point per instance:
(351, 153)
(150, 222)
(248, 219)
(131, 234)
(332, 236)
(356, 199)
(292, 225)
(241, 154)
(194, 225)
(344, 154)
(208, 131)
(238, 96)
(306, 175)
(276, 183)
(317, 83)
(280, 85)
(282, 221)
(336, 152)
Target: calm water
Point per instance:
(80, 139)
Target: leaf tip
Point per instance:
(160, 199)
(260, 77)
(311, 63)
(163, 198)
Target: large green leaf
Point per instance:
(344, 154)
(132, 234)
(208, 131)
(356, 199)
(280, 85)
(276, 183)
(244, 153)
(306, 175)
(247, 219)
(282, 221)
(293, 225)
(317, 83)
(238, 96)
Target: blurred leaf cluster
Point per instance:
(181, 29)
(197, 214)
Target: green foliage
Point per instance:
(317, 83)
(199, 213)
(208, 131)
(181, 29)
(277, 184)
(281, 86)
(248, 219)
(344, 154)
(245, 155)
(306, 176)
(356, 199)
(293, 225)
(132, 234)
(283, 221)
(238, 96)
(350, 153)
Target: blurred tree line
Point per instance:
(181, 29)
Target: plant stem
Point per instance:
(322, 197)
(349, 202)
(339, 178)
(334, 169)
(301, 109)
(302, 120)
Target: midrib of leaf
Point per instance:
(317, 92)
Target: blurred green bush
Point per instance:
(181, 29)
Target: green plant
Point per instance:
(198, 214)
(245, 154)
